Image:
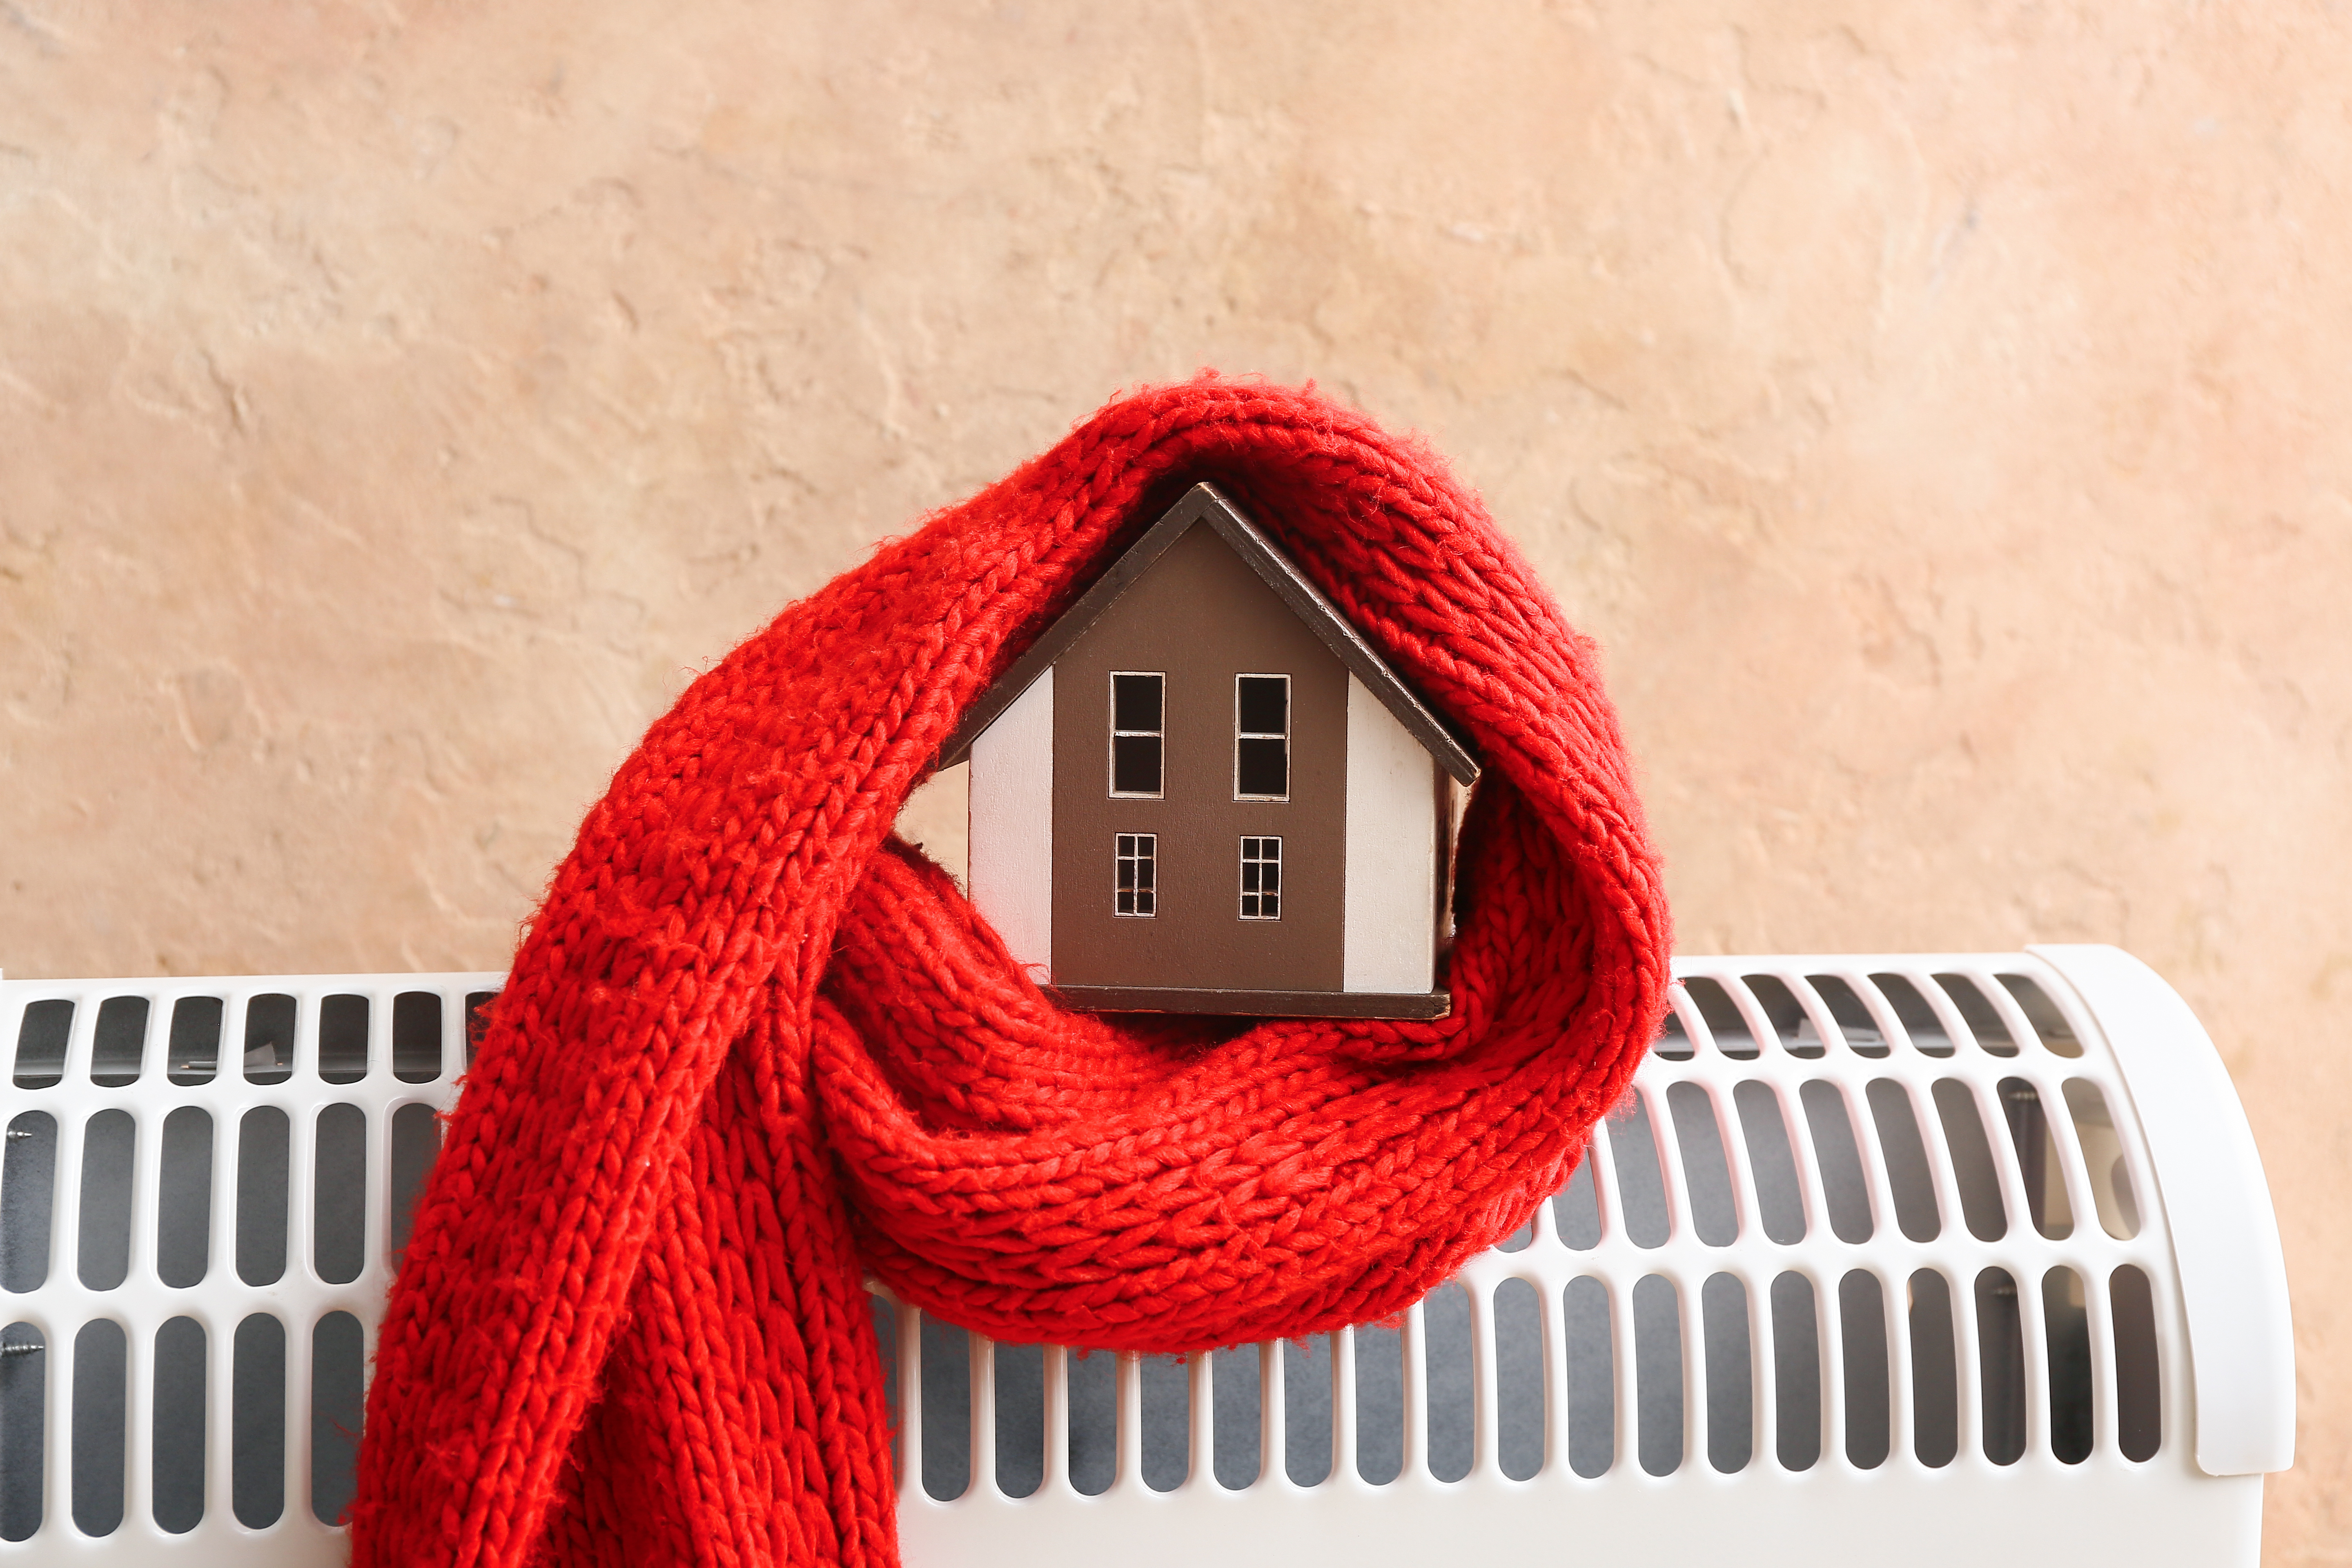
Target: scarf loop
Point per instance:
(753, 1048)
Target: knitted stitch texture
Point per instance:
(754, 1047)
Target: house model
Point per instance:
(1201, 790)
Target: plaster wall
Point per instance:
(1936, 412)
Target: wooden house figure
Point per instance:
(1201, 790)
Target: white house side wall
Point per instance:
(1390, 944)
(1012, 826)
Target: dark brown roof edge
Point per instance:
(1206, 503)
(1073, 623)
(1339, 633)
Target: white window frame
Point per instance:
(1144, 853)
(1241, 734)
(1261, 859)
(1110, 746)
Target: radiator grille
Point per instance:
(1883, 1219)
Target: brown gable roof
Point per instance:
(1206, 503)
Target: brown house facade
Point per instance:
(1201, 791)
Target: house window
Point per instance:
(1137, 731)
(1260, 878)
(1137, 888)
(1262, 737)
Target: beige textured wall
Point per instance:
(1935, 410)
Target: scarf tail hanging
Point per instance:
(751, 1048)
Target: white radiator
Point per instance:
(1928, 1258)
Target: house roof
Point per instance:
(1205, 503)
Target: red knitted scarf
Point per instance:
(754, 1047)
